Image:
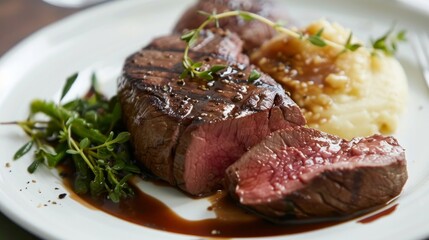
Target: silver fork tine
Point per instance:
(422, 52)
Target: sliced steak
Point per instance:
(253, 33)
(301, 174)
(189, 131)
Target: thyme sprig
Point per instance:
(194, 69)
(254, 75)
(85, 132)
(388, 43)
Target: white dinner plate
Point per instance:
(99, 39)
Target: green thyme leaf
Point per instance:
(217, 68)
(254, 75)
(84, 143)
(190, 37)
(97, 185)
(388, 43)
(114, 196)
(197, 65)
(122, 137)
(23, 150)
(187, 36)
(72, 152)
(401, 36)
(317, 39)
(206, 75)
(82, 180)
(352, 46)
(184, 74)
(33, 166)
(54, 159)
(194, 38)
(69, 83)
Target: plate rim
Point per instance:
(12, 213)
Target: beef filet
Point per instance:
(301, 174)
(189, 131)
(253, 33)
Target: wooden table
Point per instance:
(18, 19)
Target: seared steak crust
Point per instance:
(189, 131)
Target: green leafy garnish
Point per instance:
(317, 39)
(193, 69)
(87, 133)
(389, 41)
(208, 75)
(69, 83)
(254, 75)
(23, 150)
(190, 37)
(351, 46)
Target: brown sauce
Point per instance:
(287, 59)
(379, 215)
(226, 209)
(306, 74)
(230, 220)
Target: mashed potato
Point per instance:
(348, 94)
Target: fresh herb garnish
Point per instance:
(86, 132)
(254, 75)
(69, 83)
(317, 39)
(351, 46)
(194, 69)
(388, 43)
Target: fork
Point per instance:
(421, 47)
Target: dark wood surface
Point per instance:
(18, 19)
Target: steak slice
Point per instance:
(301, 174)
(189, 131)
(253, 33)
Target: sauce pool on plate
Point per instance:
(230, 220)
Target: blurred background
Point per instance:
(20, 18)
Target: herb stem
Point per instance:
(74, 145)
(193, 69)
(112, 176)
(100, 146)
(27, 130)
(9, 123)
(289, 32)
